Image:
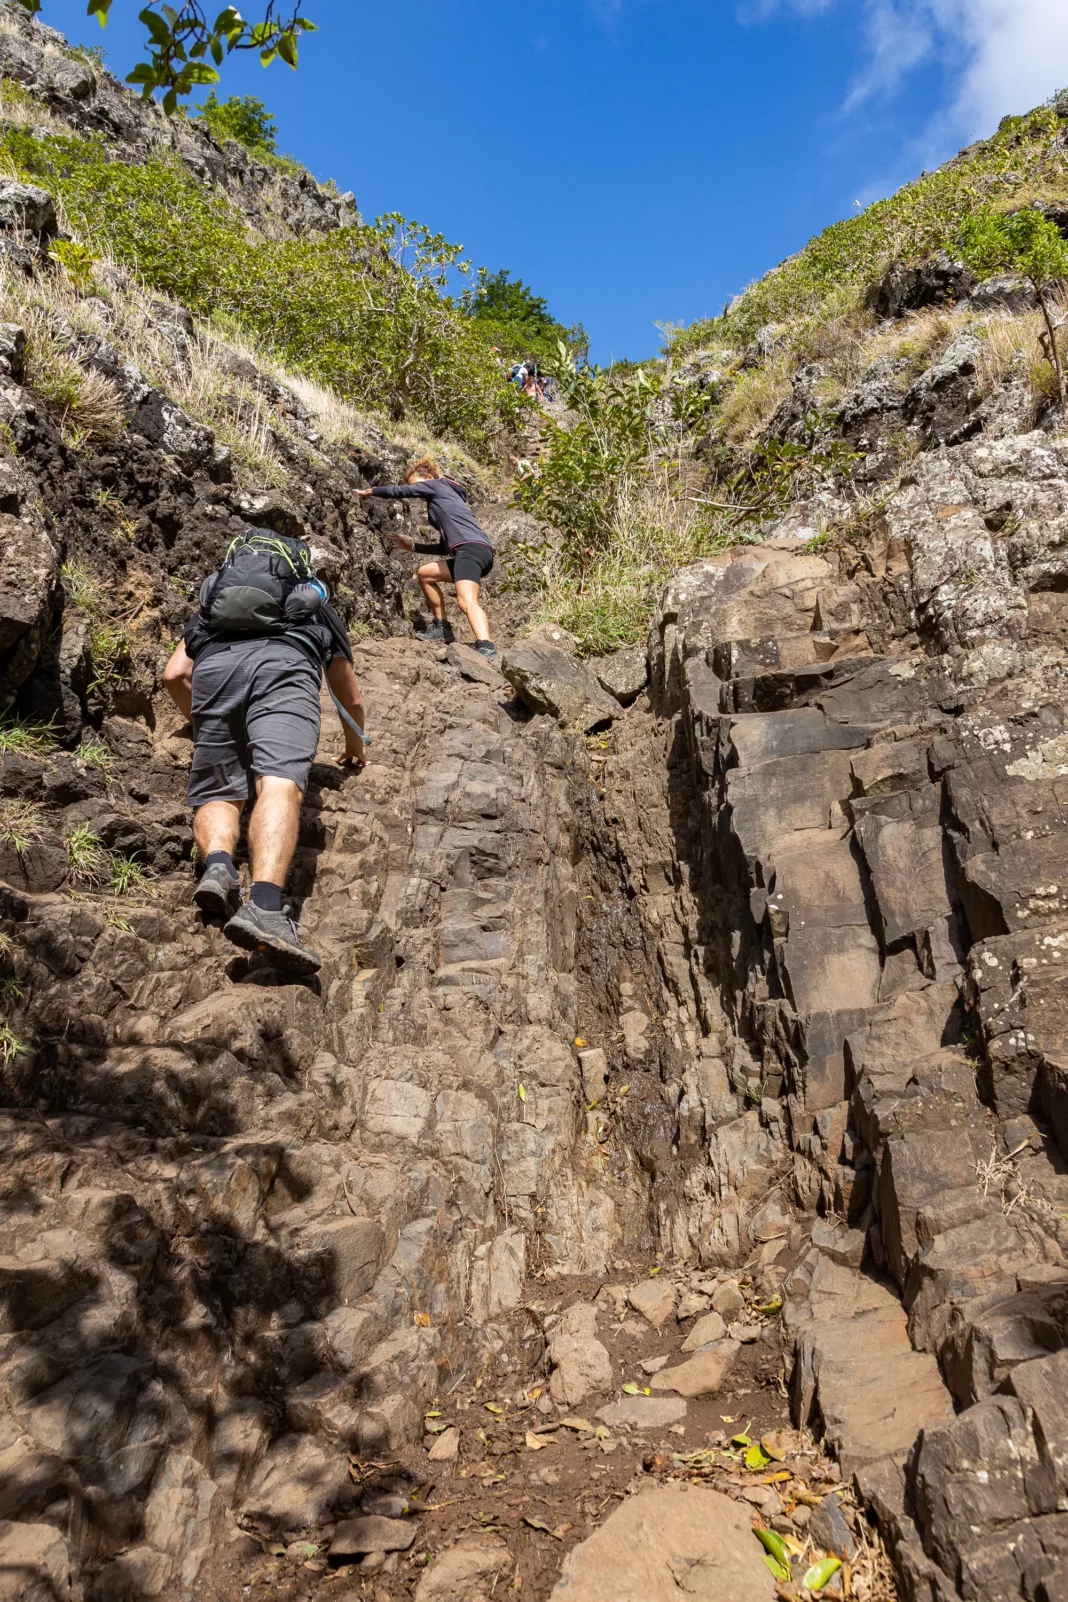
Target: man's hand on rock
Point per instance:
(402, 542)
(353, 755)
(365, 494)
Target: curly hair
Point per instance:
(425, 467)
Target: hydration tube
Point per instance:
(353, 725)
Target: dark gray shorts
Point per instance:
(255, 712)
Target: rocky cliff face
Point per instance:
(706, 999)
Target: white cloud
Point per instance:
(1000, 56)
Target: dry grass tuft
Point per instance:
(659, 528)
(750, 402)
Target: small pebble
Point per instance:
(653, 1365)
(801, 1515)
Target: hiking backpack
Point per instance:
(266, 585)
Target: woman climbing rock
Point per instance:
(463, 553)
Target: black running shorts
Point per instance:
(255, 713)
(470, 562)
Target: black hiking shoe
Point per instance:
(440, 631)
(486, 648)
(217, 895)
(274, 933)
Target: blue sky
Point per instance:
(635, 161)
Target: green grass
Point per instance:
(835, 268)
(95, 754)
(110, 652)
(20, 824)
(81, 587)
(26, 739)
(87, 854)
(10, 1044)
(7, 946)
(128, 875)
(11, 992)
(818, 542)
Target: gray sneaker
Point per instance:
(487, 649)
(274, 933)
(439, 630)
(217, 895)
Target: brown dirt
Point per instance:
(542, 1502)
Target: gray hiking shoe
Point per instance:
(274, 933)
(487, 649)
(440, 630)
(217, 895)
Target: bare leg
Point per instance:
(272, 829)
(468, 602)
(428, 577)
(216, 826)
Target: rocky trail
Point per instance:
(663, 1189)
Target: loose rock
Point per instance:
(640, 1552)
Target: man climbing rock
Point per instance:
(247, 672)
(464, 553)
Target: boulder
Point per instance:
(298, 1482)
(165, 425)
(907, 287)
(27, 209)
(661, 1543)
(703, 1374)
(372, 1533)
(184, 1515)
(28, 578)
(466, 1572)
(643, 1412)
(34, 1564)
(12, 353)
(707, 1329)
(549, 680)
(473, 665)
(582, 1364)
(623, 674)
(654, 1299)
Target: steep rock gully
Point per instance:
(694, 1078)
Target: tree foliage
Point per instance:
(179, 40)
(518, 322)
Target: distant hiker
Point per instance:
(247, 672)
(530, 380)
(464, 553)
(518, 373)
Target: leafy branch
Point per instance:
(180, 40)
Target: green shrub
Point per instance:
(76, 260)
(365, 310)
(586, 468)
(241, 117)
